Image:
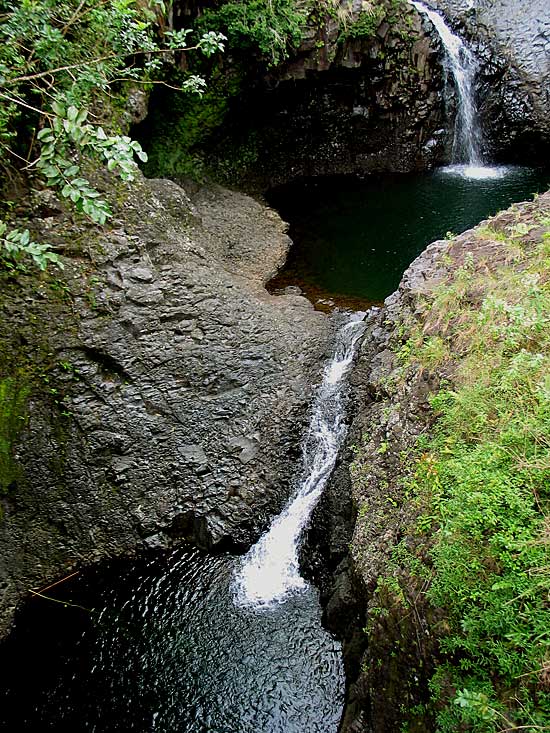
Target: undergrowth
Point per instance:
(482, 484)
(271, 29)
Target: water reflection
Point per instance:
(353, 239)
(169, 651)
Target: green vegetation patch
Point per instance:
(474, 558)
(14, 393)
(181, 124)
(373, 13)
(483, 482)
(367, 23)
(66, 69)
(272, 28)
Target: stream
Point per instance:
(189, 642)
(196, 643)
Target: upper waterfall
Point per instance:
(462, 65)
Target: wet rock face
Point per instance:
(186, 386)
(512, 41)
(521, 28)
(339, 122)
(356, 105)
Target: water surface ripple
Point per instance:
(170, 652)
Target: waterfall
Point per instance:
(462, 66)
(270, 572)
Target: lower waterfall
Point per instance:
(270, 572)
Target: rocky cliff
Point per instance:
(160, 390)
(362, 93)
(376, 599)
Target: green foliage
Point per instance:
(59, 63)
(483, 485)
(368, 22)
(13, 400)
(69, 131)
(17, 247)
(373, 13)
(271, 27)
(182, 123)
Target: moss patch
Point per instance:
(14, 394)
(179, 125)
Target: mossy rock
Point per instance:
(14, 394)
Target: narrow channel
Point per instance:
(192, 642)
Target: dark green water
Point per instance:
(353, 239)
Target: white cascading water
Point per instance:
(462, 65)
(269, 573)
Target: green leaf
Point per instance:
(58, 109)
(45, 135)
(81, 117)
(51, 172)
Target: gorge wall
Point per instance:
(362, 93)
(359, 95)
(160, 391)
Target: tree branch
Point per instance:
(24, 104)
(51, 72)
(139, 81)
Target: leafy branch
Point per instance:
(58, 63)
(208, 44)
(17, 244)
